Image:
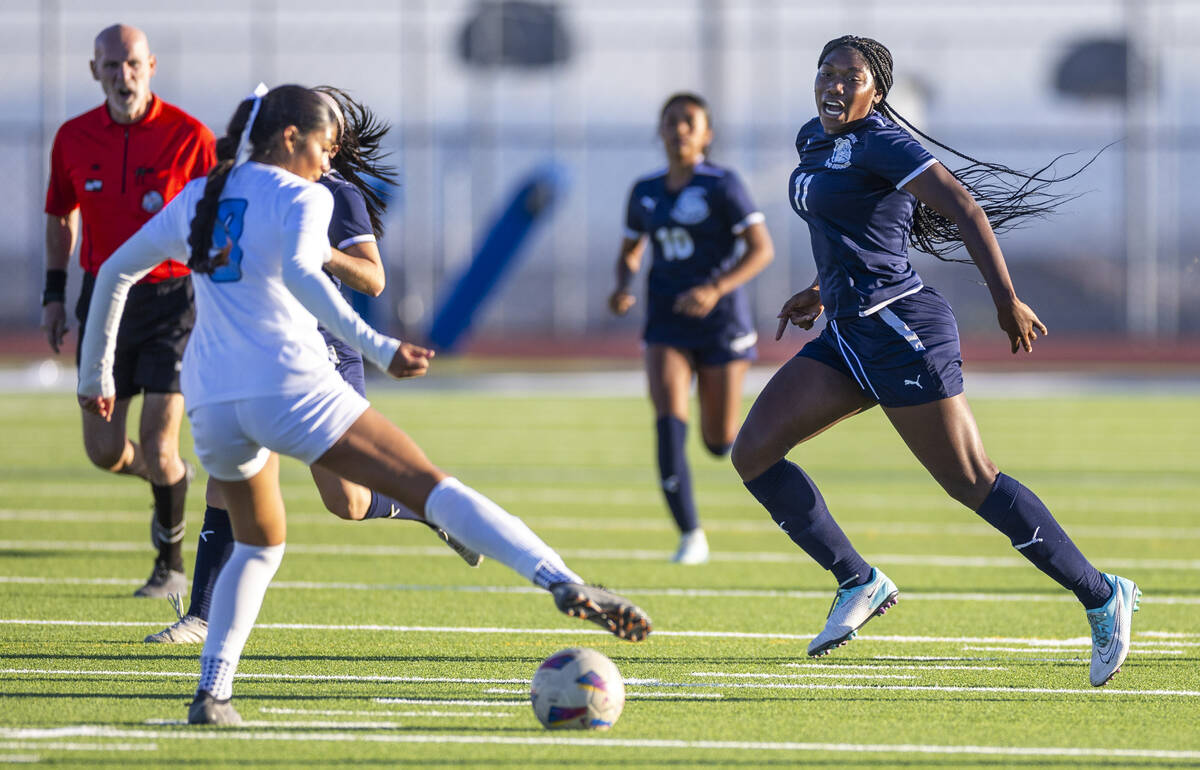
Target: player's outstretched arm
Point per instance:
(937, 188)
(410, 361)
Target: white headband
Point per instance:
(244, 148)
(337, 112)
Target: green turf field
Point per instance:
(377, 646)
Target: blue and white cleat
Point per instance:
(1111, 628)
(851, 609)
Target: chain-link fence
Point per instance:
(479, 93)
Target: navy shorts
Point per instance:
(347, 361)
(153, 334)
(717, 350)
(901, 355)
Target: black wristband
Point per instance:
(56, 287)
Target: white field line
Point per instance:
(1055, 649)
(744, 675)
(684, 593)
(20, 759)
(1078, 642)
(634, 693)
(75, 746)
(435, 702)
(632, 682)
(739, 557)
(104, 731)
(344, 713)
(632, 524)
(852, 667)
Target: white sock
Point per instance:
(483, 526)
(237, 597)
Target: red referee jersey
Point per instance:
(121, 175)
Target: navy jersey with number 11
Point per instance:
(848, 188)
(694, 235)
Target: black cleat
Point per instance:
(614, 613)
(472, 557)
(207, 710)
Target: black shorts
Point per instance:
(154, 331)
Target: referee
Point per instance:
(112, 169)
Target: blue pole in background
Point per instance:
(530, 204)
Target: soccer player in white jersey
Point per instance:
(258, 381)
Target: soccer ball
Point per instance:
(577, 689)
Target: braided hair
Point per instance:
(1006, 196)
(360, 157)
(282, 106)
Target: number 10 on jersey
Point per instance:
(676, 243)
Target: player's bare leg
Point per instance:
(802, 400)
(944, 437)
(158, 430)
(377, 454)
(256, 514)
(353, 502)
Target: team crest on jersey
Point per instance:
(152, 201)
(841, 152)
(93, 185)
(691, 208)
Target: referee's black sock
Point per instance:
(1018, 513)
(167, 529)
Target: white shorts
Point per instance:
(234, 439)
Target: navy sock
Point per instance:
(673, 472)
(382, 507)
(212, 551)
(1019, 514)
(796, 505)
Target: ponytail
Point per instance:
(254, 123)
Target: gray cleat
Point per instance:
(163, 582)
(207, 710)
(189, 629)
(614, 613)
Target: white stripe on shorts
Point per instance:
(847, 354)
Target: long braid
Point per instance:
(1007, 196)
(360, 155)
(200, 237)
(288, 105)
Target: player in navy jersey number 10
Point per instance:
(357, 219)
(707, 240)
(867, 190)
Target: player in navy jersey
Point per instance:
(707, 239)
(867, 190)
(357, 218)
